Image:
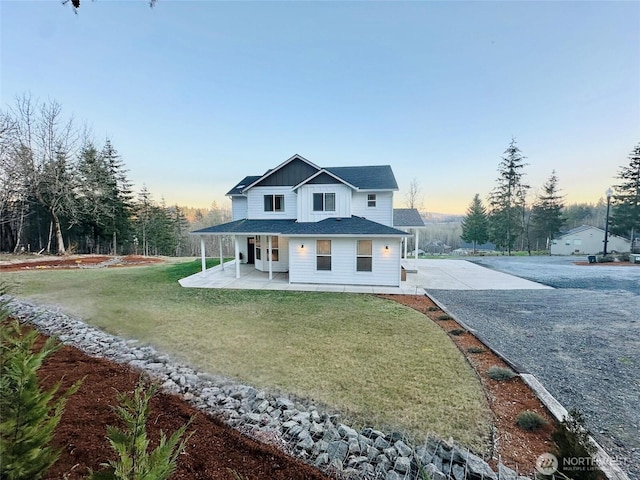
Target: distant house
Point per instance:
(328, 225)
(485, 246)
(587, 240)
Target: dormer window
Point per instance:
(324, 202)
(371, 200)
(274, 203)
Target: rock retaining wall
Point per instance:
(298, 427)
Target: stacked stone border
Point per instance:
(296, 426)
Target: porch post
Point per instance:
(416, 249)
(269, 253)
(221, 257)
(202, 255)
(237, 244)
(406, 241)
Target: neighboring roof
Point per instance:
(407, 217)
(329, 226)
(583, 228)
(237, 190)
(372, 177)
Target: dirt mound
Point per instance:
(75, 262)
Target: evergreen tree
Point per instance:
(475, 225)
(625, 215)
(142, 212)
(94, 190)
(547, 217)
(120, 197)
(507, 200)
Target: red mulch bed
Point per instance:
(212, 450)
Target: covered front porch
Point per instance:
(242, 276)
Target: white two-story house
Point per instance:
(321, 225)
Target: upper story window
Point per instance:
(274, 203)
(371, 200)
(324, 202)
(323, 254)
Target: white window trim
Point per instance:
(324, 255)
(324, 201)
(364, 256)
(372, 198)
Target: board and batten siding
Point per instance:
(239, 208)
(385, 262)
(255, 200)
(305, 202)
(381, 213)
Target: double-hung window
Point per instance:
(364, 256)
(371, 200)
(323, 254)
(274, 203)
(258, 249)
(274, 249)
(324, 202)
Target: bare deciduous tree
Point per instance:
(413, 198)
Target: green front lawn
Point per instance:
(376, 361)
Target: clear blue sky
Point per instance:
(197, 94)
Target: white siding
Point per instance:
(242, 241)
(282, 265)
(381, 213)
(238, 208)
(385, 268)
(305, 202)
(255, 200)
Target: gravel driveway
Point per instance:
(581, 340)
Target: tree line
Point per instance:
(62, 193)
(512, 222)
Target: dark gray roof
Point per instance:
(250, 227)
(328, 226)
(407, 217)
(237, 190)
(373, 177)
(342, 226)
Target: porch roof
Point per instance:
(349, 226)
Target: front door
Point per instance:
(251, 251)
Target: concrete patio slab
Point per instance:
(430, 275)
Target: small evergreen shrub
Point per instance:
(444, 316)
(474, 349)
(131, 444)
(500, 374)
(432, 309)
(29, 415)
(457, 332)
(572, 441)
(605, 259)
(530, 421)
